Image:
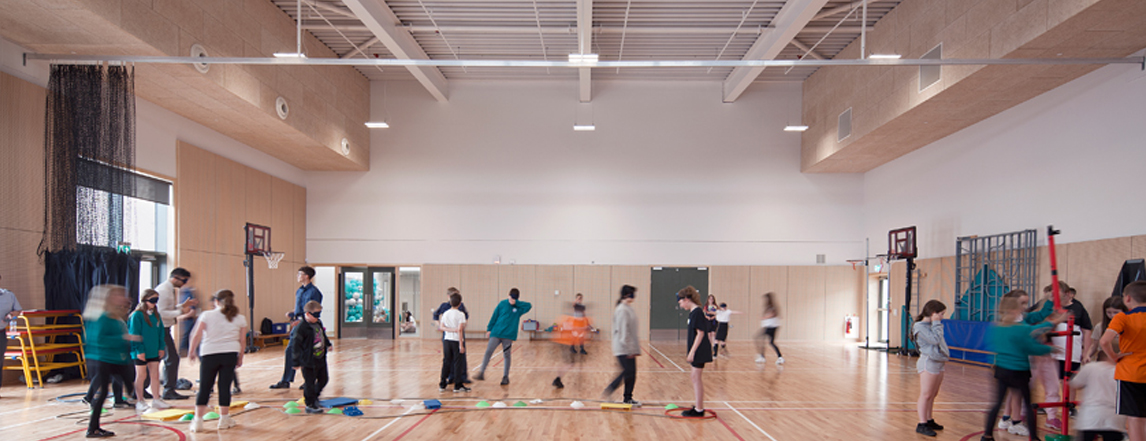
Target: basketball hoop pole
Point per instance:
(249, 263)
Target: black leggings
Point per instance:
(116, 383)
(210, 366)
(1019, 381)
(102, 372)
(628, 374)
(771, 334)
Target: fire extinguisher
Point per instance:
(848, 324)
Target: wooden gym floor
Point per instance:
(824, 391)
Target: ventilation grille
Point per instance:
(929, 75)
(821, 259)
(844, 128)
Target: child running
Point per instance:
(769, 323)
(710, 309)
(1013, 342)
(723, 315)
(626, 345)
(933, 356)
(574, 330)
(699, 350)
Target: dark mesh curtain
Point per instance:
(90, 118)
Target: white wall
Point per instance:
(671, 176)
(1072, 157)
(157, 129)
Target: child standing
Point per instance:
(723, 315)
(699, 349)
(146, 324)
(1130, 328)
(710, 309)
(1013, 342)
(1097, 416)
(453, 325)
(219, 341)
(309, 347)
(933, 356)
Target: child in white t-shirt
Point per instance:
(453, 324)
(1097, 415)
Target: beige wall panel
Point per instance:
(1137, 247)
(435, 280)
(22, 272)
(480, 293)
(806, 285)
(946, 282)
(844, 296)
(22, 154)
(897, 275)
(1062, 259)
(300, 224)
(228, 185)
(1094, 270)
(732, 285)
(282, 217)
(190, 175)
(765, 279)
(641, 278)
(593, 282)
(259, 198)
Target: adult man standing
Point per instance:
(171, 310)
(502, 330)
(9, 307)
(306, 292)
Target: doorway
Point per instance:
(366, 302)
(409, 291)
(666, 320)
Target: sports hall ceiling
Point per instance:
(621, 30)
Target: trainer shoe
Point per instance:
(480, 376)
(140, 407)
(196, 424)
(692, 413)
(1005, 424)
(100, 433)
(557, 383)
(934, 425)
(313, 409)
(225, 422)
(504, 381)
(780, 360)
(1054, 424)
(174, 396)
(159, 404)
(122, 405)
(281, 385)
(458, 390)
(922, 429)
(1018, 429)
(441, 388)
(761, 359)
(583, 351)
(633, 403)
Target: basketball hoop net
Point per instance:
(273, 258)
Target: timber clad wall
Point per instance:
(214, 198)
(22, 181)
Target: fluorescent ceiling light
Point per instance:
(792, 128)
(584, 128)
(884, 56)
(378, 125)
(583, 58)
(290, 55)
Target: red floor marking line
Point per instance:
(730, 429)
(82, 430)
(416, 424)
(182, 436)
(654, 358)
(511, 351)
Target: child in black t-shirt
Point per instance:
(699, 348)
(309, 347)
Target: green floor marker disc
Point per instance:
(293, 410)
(104, 411)
(671, 407)
(483, 404)
(290, 404)
(335, 411)
(210, 416)
(520, 404)
(187, 417)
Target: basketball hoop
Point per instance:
(273, 258)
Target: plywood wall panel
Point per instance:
(732, 285)
(436, 279)
(22, 272)
(843, 296)
(1094, 270)
(806, 297)
(226, 202)
(641, 278)
(22, 156)
(594, 282)
(300, 224)
(282, 217)
(479, 289)
(1137, 248)
(1062, 259)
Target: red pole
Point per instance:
(1068, 364)
(1051, 233)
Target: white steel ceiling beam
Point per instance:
(382, 22)
(804, 48)
(788, 22)
(585, 46)
(531, 28)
